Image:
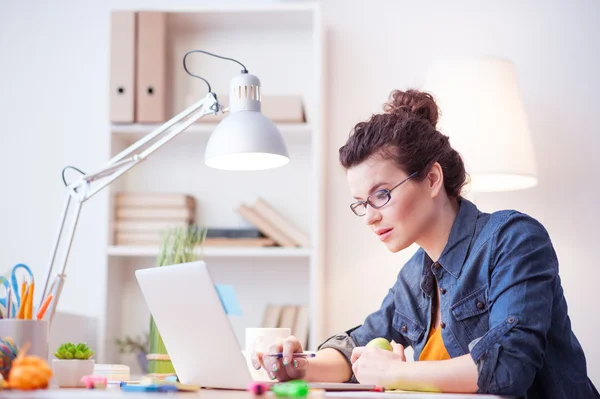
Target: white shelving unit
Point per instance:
(216, 252)
(298, 133)
(282, 44)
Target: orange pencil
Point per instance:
(21, 314)
(44, 307)
(23, 288)
(29, 308)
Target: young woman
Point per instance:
(480, 302)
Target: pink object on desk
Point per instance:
(259, 388)
(94, 381)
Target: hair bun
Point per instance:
(415, 102)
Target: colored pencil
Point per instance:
(29, 308)
(23, 305)
(44, 307)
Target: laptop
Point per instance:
(196, 330)
(194, 326)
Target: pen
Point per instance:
(9, 303)
(296, 355)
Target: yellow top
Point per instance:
(434, 347)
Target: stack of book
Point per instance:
(273, 225)
(294, 317)
(234, 237)
(141, 218)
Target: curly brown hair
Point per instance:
(406, 133)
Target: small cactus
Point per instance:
(75, 352)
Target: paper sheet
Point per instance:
(228, 300)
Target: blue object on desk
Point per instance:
(148, 388)
(228, 300)
(12, 284)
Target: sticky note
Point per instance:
(228, 300)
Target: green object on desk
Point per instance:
(71, 351)
(296, 389)
(178, 246)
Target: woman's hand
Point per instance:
(284, 369)
(377, 366)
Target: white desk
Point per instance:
(115, 392)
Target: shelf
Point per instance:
(292, 132)
(216, 252)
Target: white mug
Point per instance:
(259, 340)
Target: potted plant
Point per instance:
(137, 345)
(71, 364)
(178, 245)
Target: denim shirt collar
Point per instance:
(461, 235)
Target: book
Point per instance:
(147, 226)
(180, 214)
(239, 242)
(301, 326)
(154, 239)
(154, 200)
(264, 226)
(288, 316)
(279, 109)
(233, 233)
(265, 210)
(271, 316)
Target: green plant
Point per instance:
(70, 351)
(179, 245)
(135, 344)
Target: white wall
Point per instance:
(53, 108)
(378, 46)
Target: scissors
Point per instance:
(12, 288)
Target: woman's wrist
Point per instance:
(454, 375)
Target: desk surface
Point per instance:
(115, 392)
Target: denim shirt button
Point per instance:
(510, 320)
(480, 305)
(443, 325)
(437, 265)
(443, 291)
(404, 329)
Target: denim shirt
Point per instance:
(501, 301)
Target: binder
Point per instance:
(151, 67)
(122, 67)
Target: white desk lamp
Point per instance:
(483, 114)
(244, 140)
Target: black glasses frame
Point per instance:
(354, 205)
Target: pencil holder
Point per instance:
(34, 332)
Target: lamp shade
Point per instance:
(482, 112)
(245, 139)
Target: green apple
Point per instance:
(381, 343)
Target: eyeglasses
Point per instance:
(376, 200)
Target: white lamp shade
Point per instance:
(482, 112)
(245, 139)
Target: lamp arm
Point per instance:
(84, 188)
